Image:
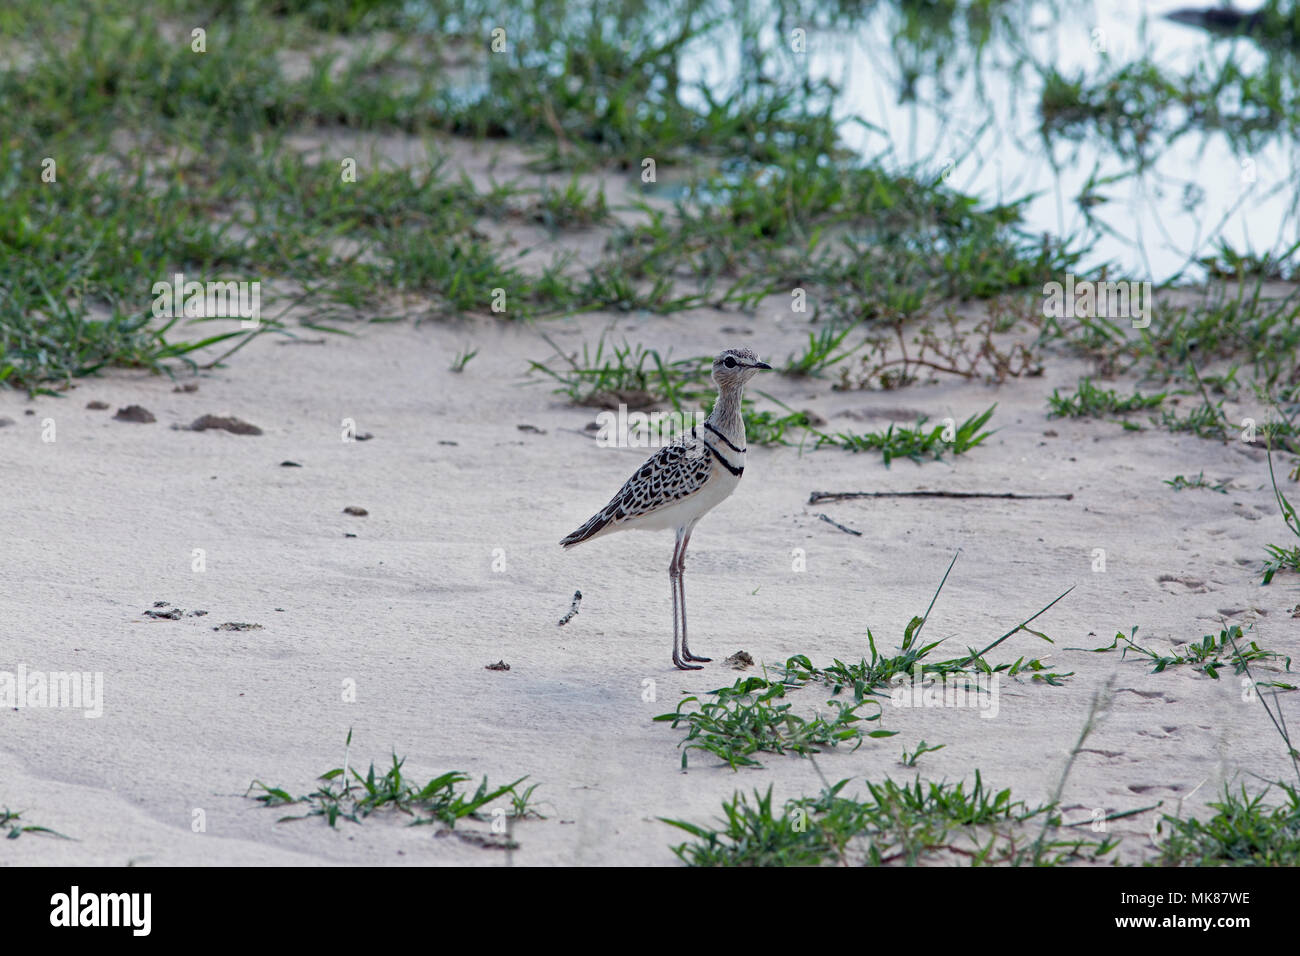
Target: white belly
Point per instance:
(717, 489)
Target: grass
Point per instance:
(894, 823)
(346, 794)
(872, 677)
(937, 822)
(1238, 326)
(1281, 558)
(606, 375)
(752, 716)
(778, 203)
(1180, 482)
(1209, 655)
(825, 348)
(922, 748)
(917, 443)
(772, 203)
(1092, 402)
(462, 359)
(571, 207)
(1243, 831)
(12, 825)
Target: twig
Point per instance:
(840, 526)
(817, 496)
(573, 609)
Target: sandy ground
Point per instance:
(457, 566)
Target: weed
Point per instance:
(1093, 402)
(462, 359)
(1179, 482)
(909, 760)
(868, 678)
(1281, 558)
(440, 800)
(895, 823)
(1244, 831)
(13, 827)
(751, 716)
(1208, 656)
(915, 443)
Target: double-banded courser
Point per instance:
(683, 481)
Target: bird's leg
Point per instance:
(681, 583)
(675, 578)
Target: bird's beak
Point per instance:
(762, 365)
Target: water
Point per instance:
(959, 97)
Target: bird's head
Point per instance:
(736, 367)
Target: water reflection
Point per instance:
(1158, 142)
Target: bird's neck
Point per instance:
(726, 416)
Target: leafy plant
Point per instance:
(349, 795)
(752, 716)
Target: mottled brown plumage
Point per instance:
(682, 481)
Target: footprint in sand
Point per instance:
(1184, 585)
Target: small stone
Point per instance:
(290, 464)
(448, 443)
(97, 406)
(6, 421)
(531, 428)
(237, 626)
(498, 666)
(366, 437)
(187, 387)
(355, 510)
(135, 413)
(740, 660)
(225, 423)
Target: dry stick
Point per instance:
(573, 609)
(817, 496)
(840, 526)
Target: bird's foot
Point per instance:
(695, 657)
(685, 667)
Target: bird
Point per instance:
(682, 482)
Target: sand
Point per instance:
(456, 565)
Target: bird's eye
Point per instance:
(729, 362)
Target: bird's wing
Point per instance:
(674, 472)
